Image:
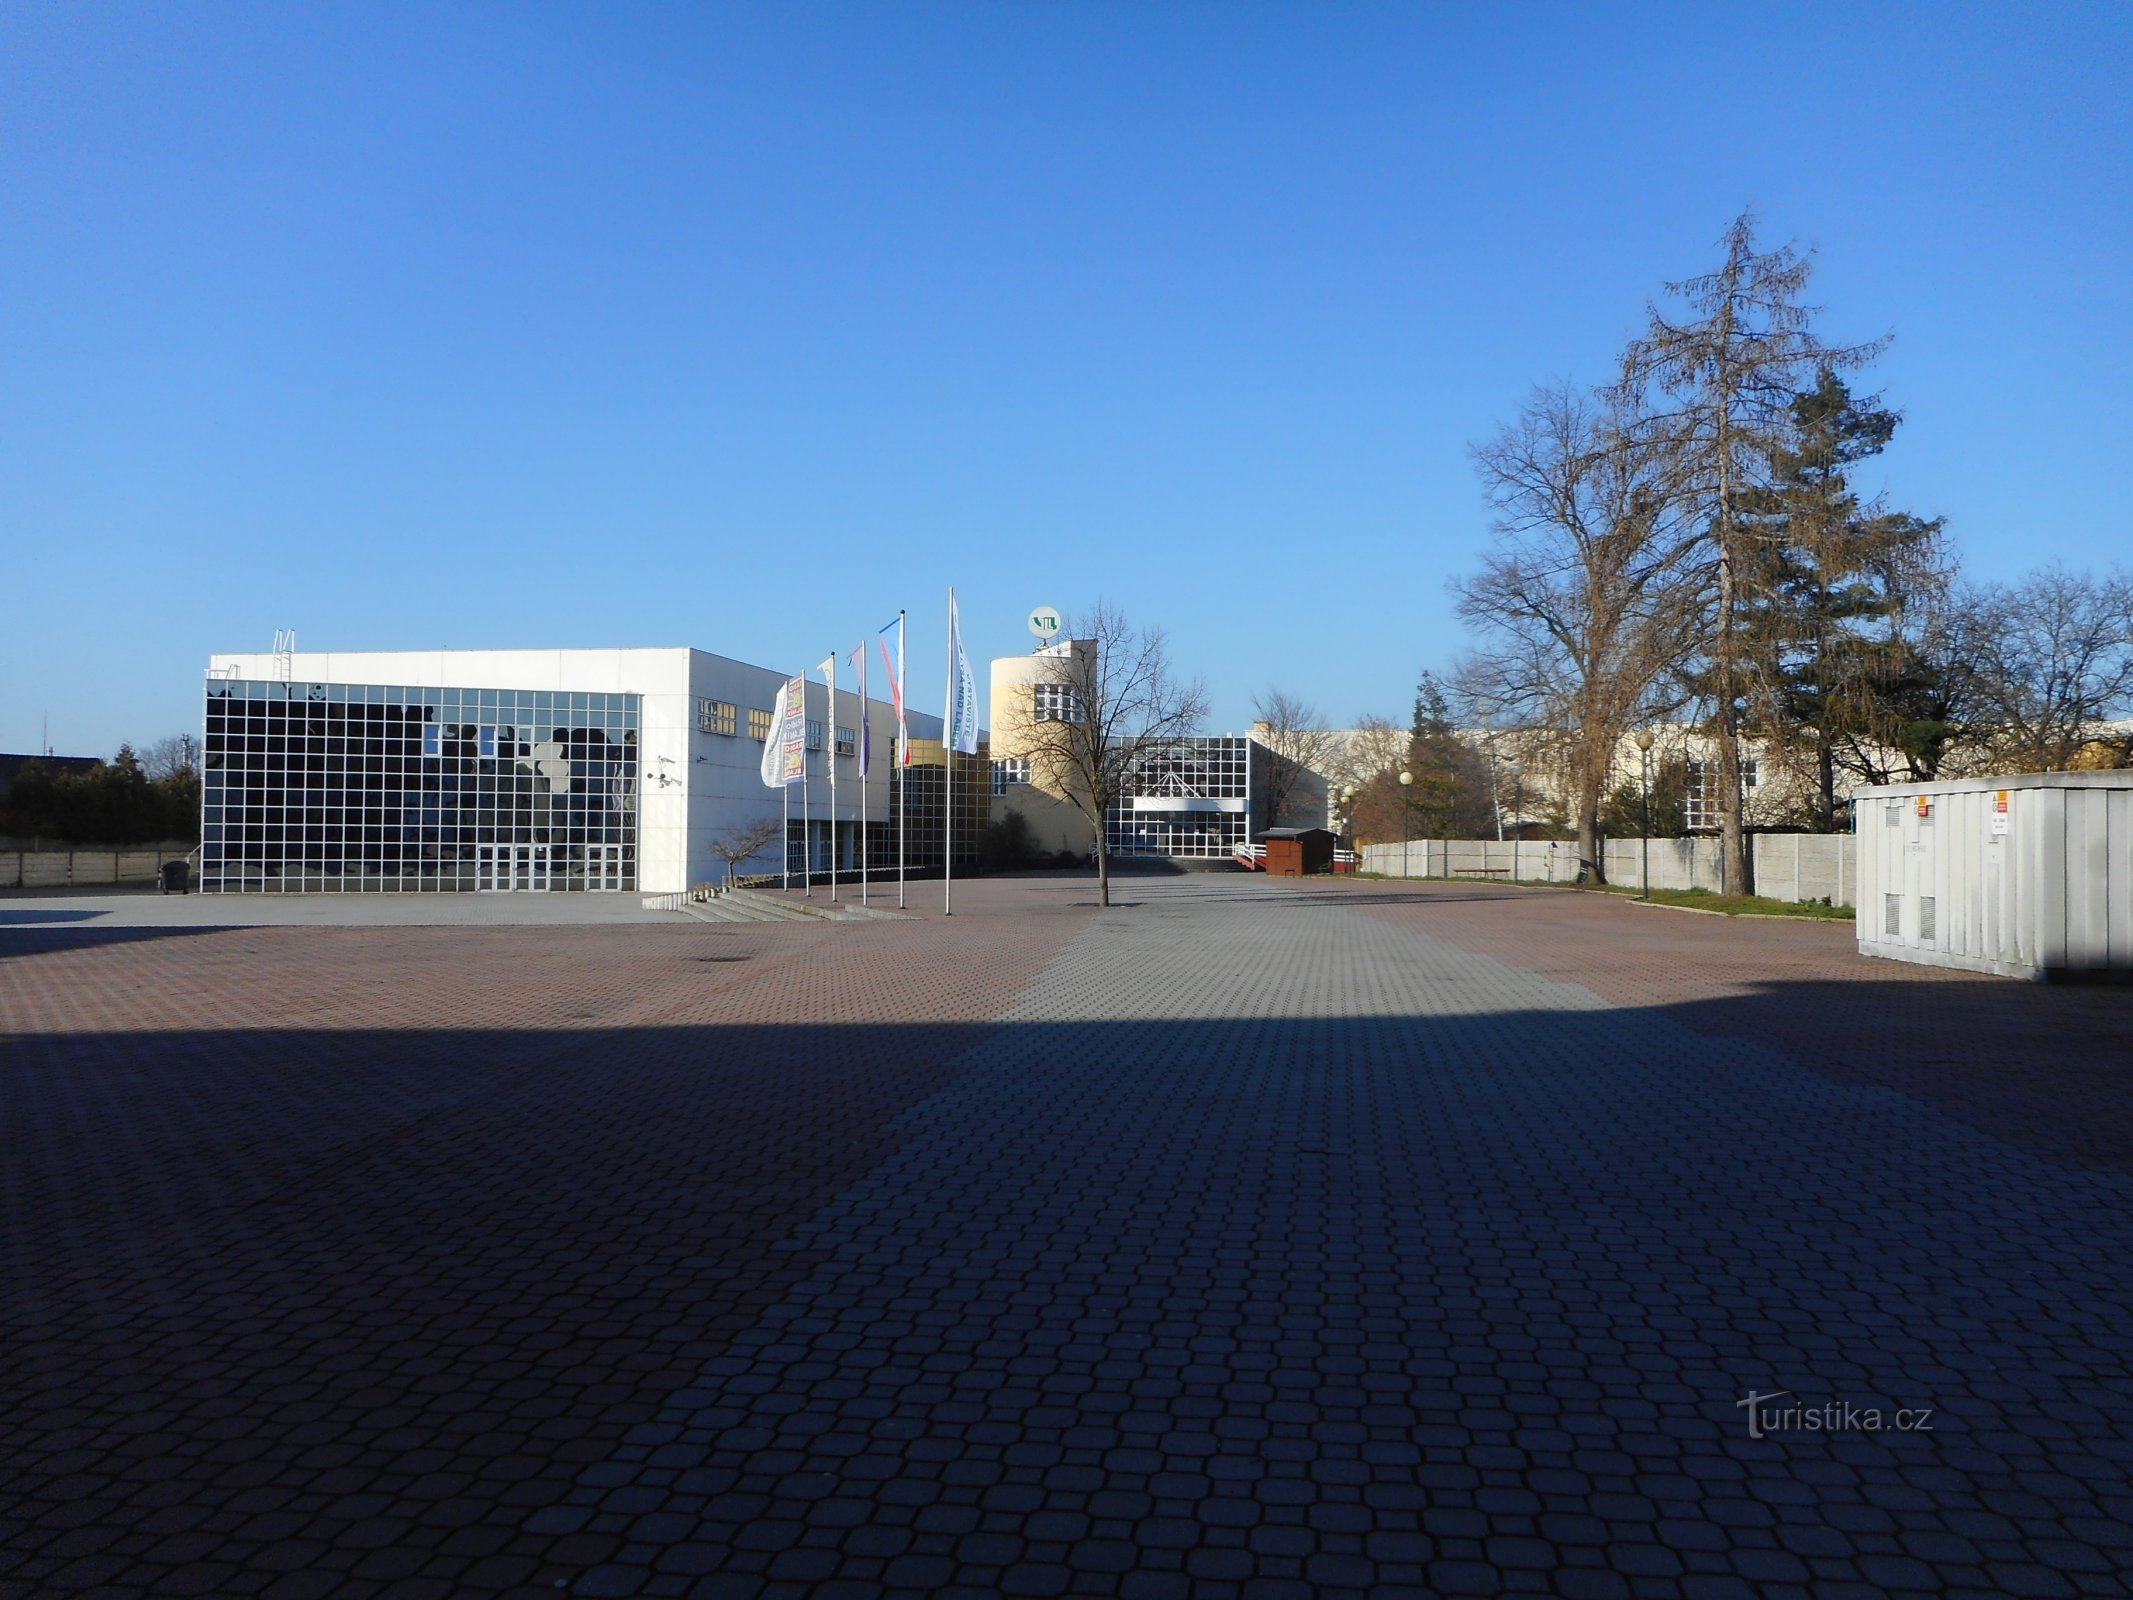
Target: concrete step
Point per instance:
(714, 911)
(748, 905)
(775, 908)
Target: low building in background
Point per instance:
(495, 770)
(11, 765)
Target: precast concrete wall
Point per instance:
(1788, 866)
(67, 869)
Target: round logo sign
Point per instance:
(1044, 622)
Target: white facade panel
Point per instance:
(2029, 876)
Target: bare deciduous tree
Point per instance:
(1718, 385)
(2048, 661)
(1589, 597)
(171, 757)
(743, 840)
(1108, 705)
(1297, 732)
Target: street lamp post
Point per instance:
(1406, 781)
(1518, 814)
(1644, 762)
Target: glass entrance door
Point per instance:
(506, 868)
(603, 868)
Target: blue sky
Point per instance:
(515, 325)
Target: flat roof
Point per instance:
(2118, 778)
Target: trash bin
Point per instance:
(177, 877)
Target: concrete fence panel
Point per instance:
(82, 869)
(1788, 866)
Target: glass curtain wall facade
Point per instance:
(335, 787)
(925, 801)
(1190, 799)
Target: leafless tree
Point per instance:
(167, 758)
(1108, 705)
(1377, 746)
(1368, 771)
(1718, 383)
(744, 840)
(2048, 662)
(1588, 599)
(1297, 732)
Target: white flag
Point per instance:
(774, 745)
(962, 689)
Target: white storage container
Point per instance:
(2030, 876)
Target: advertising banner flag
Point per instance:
(896, 687)
(773, 744)
(792, 737)
(902, 754)
(962, 689)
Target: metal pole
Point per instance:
(948, 771)
(1645, 892)
(1518, 818)
(785, 839)
(807, 822)
(903, 757)
(866, 760)
(829, 756)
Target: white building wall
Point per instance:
(692, 785)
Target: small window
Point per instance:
(715, 716)
(432, 740)
(1925, 916)
(488, 742)
(1008, 774)
(758, 724)
(847, 741)
(1750, 772)
(814, 734)
(1892, 915)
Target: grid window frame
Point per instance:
(367, 787)
(1056, 702)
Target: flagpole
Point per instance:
(807, 821)
(829, 755)
(903, 759)
(948, 769)
(785, 840)
(866, 760)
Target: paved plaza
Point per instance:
(1248, 1239)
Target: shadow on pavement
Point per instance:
(368, 1302)
(38, 933)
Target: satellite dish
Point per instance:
(1044, 623)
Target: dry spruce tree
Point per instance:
(1715, 377)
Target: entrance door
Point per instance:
(603, 868)
(507, 868)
